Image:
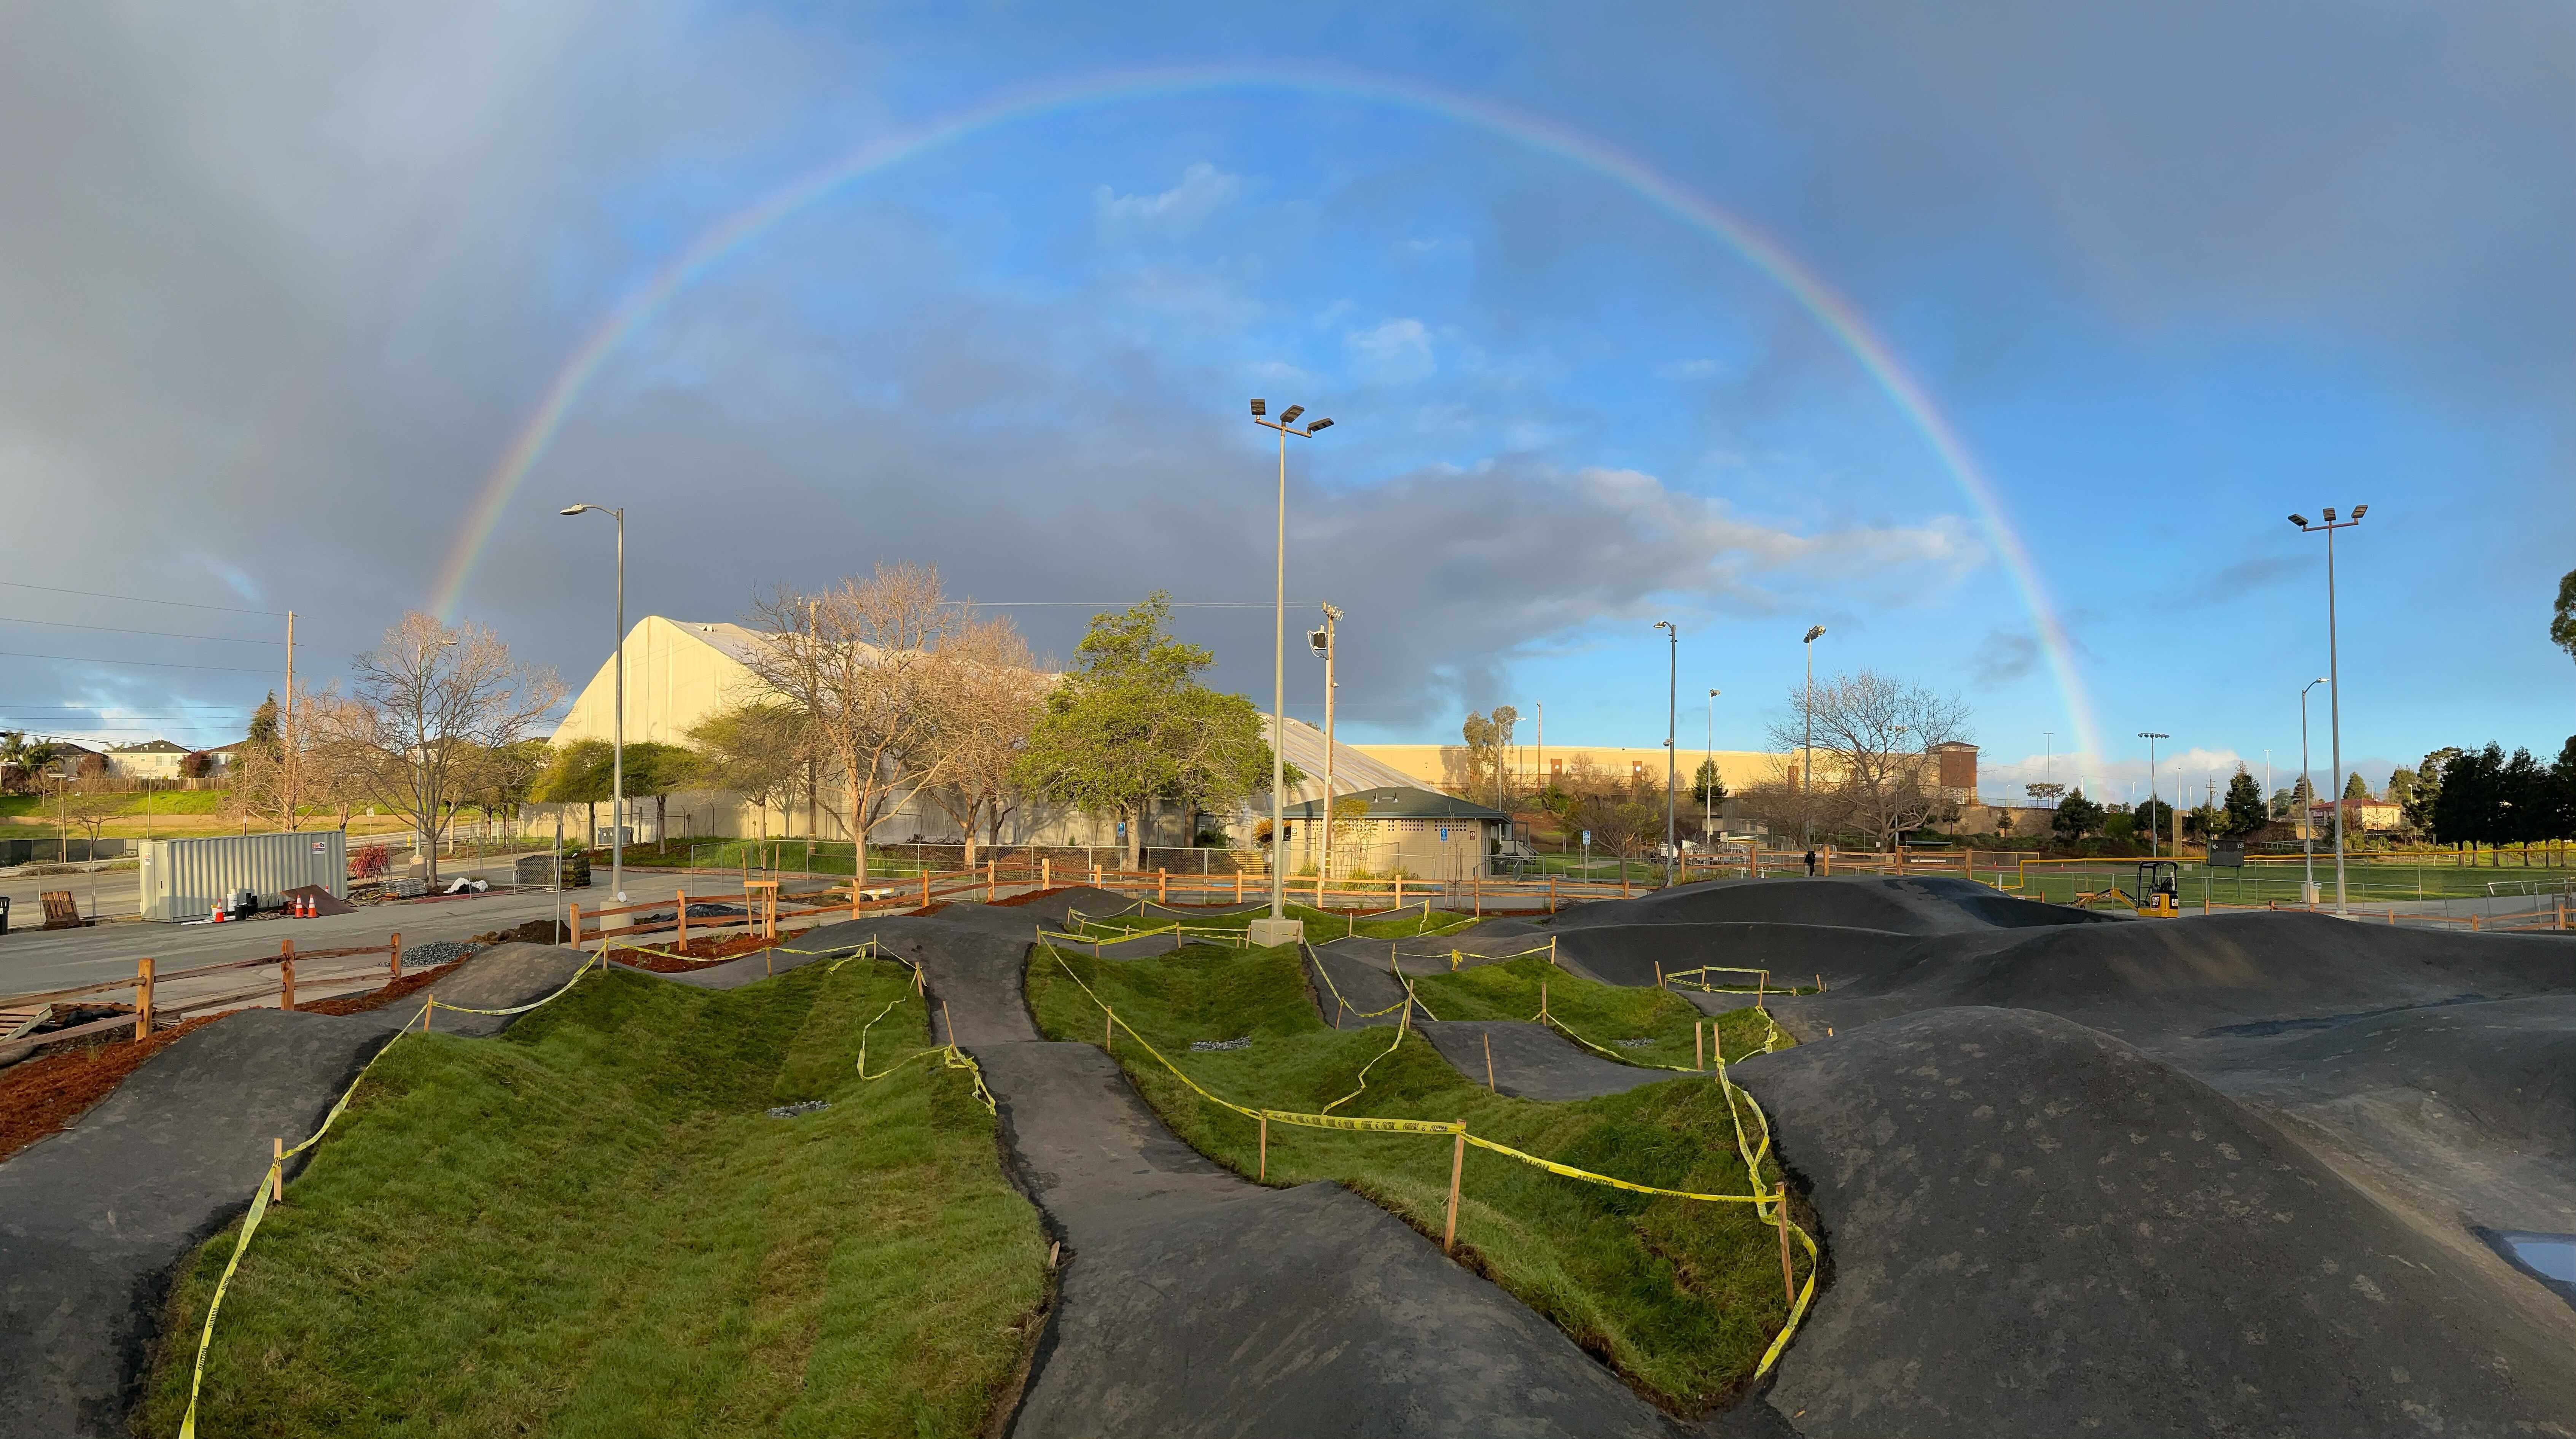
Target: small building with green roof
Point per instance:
(1419, 833)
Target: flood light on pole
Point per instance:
(617, 725)
(1279, 928)
(2334, 686)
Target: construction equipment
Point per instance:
(2154, 897)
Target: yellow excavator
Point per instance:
(2155, 896)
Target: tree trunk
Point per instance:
(1135, 837)
(858, 830)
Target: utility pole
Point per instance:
(1807, 785)
(1708, 782)
(1322, 642)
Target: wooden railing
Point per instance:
(146, 979)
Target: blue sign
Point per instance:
(1444, 833)
(1587, 839)
(1122, 829)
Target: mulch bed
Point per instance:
(1032, 897)
(701, 953)
(43, 1095)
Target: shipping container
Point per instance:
(184, 878)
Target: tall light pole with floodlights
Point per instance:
(1807, 786)
(2151, 736)
(1321, 641)
(1279, 928)
(1672, 712)
(2334, 676)
(617, 725)
(2307, 806)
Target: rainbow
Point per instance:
(1661, 191)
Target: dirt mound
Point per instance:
(1794, 953)
(2232, 976)
(2037, 1229)
(1931, 905)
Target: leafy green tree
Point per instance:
(265, 728)
(2075, 816)
(2245, 810)
(22, 761)
(2152, 816)
(756, 750)
(2562, 616)
(2354, 787)
(1132, 724)
(578, 773)
(654, 770)
(2426, 794)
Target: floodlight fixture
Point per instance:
(1812, 633)
(1289, 415)
(1315, 642)
(2357, 510)
(2300, 520)
(1313, 425)
(1260, 408)
(2328, 512)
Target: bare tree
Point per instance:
(758, 750)
(428, 708)
(1873, 736)
(280, 777)
(982, 703)
(866, 667)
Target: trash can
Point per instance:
(4, 914)
(537, 871)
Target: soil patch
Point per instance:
(418, 979)
(663, 959)
(44, 1095)
(535, 931)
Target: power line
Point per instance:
(140, 600)
(155, 664)
(158, 634)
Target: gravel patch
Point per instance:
(1632, 1043)
(790, 1111)
(439, 951)
(1202, 1046)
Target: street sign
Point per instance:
(1587, 839)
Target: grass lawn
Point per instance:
(2257, 884)
(1681, 1296)
(588, 1226)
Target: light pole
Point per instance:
(617, 726)
(2151, 736)
(1807, 786)
(1672, 711)
(1321, 641)
(1278, 929)
(2308, 806)
(1708, 782)
(2334, 689)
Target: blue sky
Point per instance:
(284, 286)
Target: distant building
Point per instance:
(2360, 816)
(1399, 829)
(152, 759)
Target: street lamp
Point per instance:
(1807, 786)
(2151, 736)
(1672, 679)
(617, 726)
(2334, 690)
(1279, 929)
(2308, 806)
(1321, 641)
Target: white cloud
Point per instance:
(1393, 353)
(1203, 189)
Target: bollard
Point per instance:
(1399, 891)
(1551, 902)
(393, 954)
(1542, 1000)
(286, 974)
(277, 1171)
(142, 998)
(1780, 1212)
(1457, 1168)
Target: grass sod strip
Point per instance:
(1606, 1014)
(588, 1226)
(1680, 1296)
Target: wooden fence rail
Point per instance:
(147, 979)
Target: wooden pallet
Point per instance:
(14, 1023)
(60, 910)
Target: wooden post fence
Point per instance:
(925, 887)
(286, 974)
(684, 920)
(1457, 1168)
(142, 998)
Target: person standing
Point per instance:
(1811, 864)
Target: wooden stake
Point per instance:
(1699, 1050)
(1046, 872)
(992, 878)
(1108, 1029)
(925, 889)
(1659, 974)
(1264, 1175)
(950, 1023)
(286, 974)
(1542, 1000)
(576, 926)
(684, 919)
(277, 1171)
(1457, 1167)
(1780, 1212)
(1339, 1004)
(1162, 886)
(1490, 1086)
(393, 951)
(142, 998)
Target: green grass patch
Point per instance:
(588, 1226)
(1681, 1296)
(1605, 1014)
(1322, 926)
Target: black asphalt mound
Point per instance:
(1196, 1303)
(94, 1220)
(1794, 953)
(1532, 1061)
(1357, 971)
(1931, 905)
(2238, 975)
(2036, 1229)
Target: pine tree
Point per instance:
(2245, 810)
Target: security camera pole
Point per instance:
(1807, 786)
(1672, 678)
(1321, 641)
(1279, 928)
(2334, 677)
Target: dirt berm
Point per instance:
(1931, 905)
(2036, 1229)
(93, 1220)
